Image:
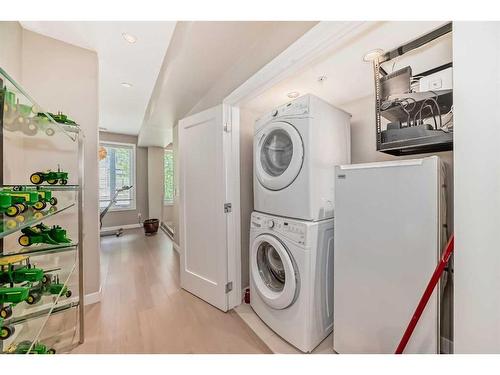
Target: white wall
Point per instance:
(11, 41)
(64, 77)
(155, 182)
(476, 63)
(247, 122)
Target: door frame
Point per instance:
(320, 40)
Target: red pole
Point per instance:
(427, 295)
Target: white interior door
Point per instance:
(203, 228)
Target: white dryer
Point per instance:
(296, 148)
(291, 277)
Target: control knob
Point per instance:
(270, 223)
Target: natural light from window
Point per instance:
(168, 184)
(117, 169)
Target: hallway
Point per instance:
(144, 310)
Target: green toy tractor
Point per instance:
(13, 296)
(16, 269)
(6, 330)
(8, 207)
(24, 347)
(42, 233)
(54, 287)
(45, 196)
(23, 198)
(52, 177)
(38, 197)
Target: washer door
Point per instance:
(273, 272)
(278, 154)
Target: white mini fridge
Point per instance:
(389, 220)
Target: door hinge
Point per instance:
(228, 208)
(227, 127)
(229, 287)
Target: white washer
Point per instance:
(291, 277)
(296, 148)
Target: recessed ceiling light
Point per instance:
(129, 38)
(293, 94)
(126, 84)
(372, 55)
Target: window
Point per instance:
(117, 169)
(168, 184)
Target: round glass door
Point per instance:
(278, 154)
(271, 267)
(273, 272)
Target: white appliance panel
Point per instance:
(387, 244)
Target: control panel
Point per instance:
(297, 107)
(293, 230)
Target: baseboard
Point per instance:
(127, 226)
(167, 230)
(446, 346)
(92, 298)
(176, 247)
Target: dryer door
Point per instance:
(278, 155)
(273, 272)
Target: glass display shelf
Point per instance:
(27, 329)
(9, 225)
(40, 249)
(43, 311)
(22, 114)
(44, 187)
(33, 323)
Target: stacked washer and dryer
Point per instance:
(296, 149)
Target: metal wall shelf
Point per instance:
(412, 136)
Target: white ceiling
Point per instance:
(205, 62)
(121, 109)
(349, 78)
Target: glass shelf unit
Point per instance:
(22, 114)
(42, 308)
(12, 225)
(36, 321)
(41, 250)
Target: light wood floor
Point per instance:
(143, 309)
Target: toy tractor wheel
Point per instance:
(24, 240)
(64, 181)
(22, 207)
(17, 188)
(52, 182)
(11, 224)
(6, 312)
(46, 279)
(6, 332)
(53, 201)
(40, 205)
(51, 351)
(28, 128)
(12, 211)
(33, 298)
(20, 218)
(50, 132)
(38, 215)
(36, 178)
(68, 294)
